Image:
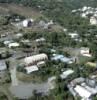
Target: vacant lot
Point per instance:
(19, 9)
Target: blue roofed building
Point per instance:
(62, 58)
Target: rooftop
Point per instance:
(82, 92)
(66, 73)
(31, 69)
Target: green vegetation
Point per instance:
(3, 20)
(3, 96)
(60, 12)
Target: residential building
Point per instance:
(14, 44)
(85, 88)
(7, 42)
(93, 21)
(66, 73)
(41, 63)
(40, 39)
(73, 35)
(85, 51)
(82, 92)
(27, 22)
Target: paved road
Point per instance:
(13, 77)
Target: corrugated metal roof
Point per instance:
(82, 91)
(30, 69)
(66, 73)
(35, 58)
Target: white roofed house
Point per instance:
(27, 22)
(66, 73)
(85, 51)
(40, 41)
(73, 11)
(73, 35)
(82, 92)
(41, 63)
(32, 60)
(84, 8)
(84, 15)
(13, 45)
(93, 21)
(7, 42)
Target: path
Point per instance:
(13, 77)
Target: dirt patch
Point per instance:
(19, 9)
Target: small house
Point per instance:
(82, 92)
(19, 35)
(7, 42)
(73, 35)
(40, 41)
(14, 44)
(84, 51)
(66, 73)
(93, 21)
(27, 22)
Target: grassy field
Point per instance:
(28, 78)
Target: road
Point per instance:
(13, 77)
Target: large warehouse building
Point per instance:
(35, 59)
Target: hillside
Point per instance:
(66, 3)
(19, 9)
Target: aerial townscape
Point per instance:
(48, 49)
